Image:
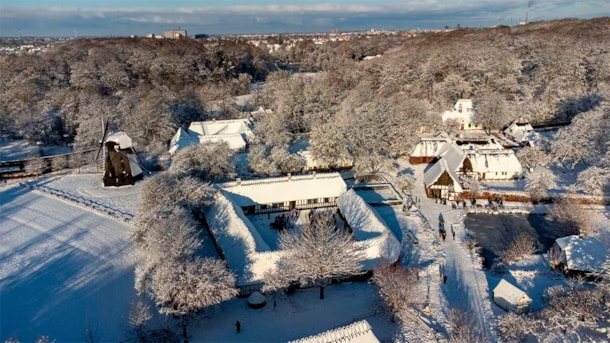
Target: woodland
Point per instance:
(548, 72)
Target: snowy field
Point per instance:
(88, 190)
(11, 150)
(63, 269)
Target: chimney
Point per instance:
(238, 181)
(289, 176)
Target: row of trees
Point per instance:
(170, 269)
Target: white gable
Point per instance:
(519, 131)
(433, 173)
(284, 189)
(586, 254)
(462, 112)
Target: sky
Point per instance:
(141, 17)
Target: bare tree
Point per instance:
(464, 328)
(139, 315)
(183, 289)
(397, 287)
(523, 245)
(315, 254)
(595, 181)
(575, 219)
(514, 327)
(533, 156)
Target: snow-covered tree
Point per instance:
(538, 183)
(165, 191)
(209, 162)
(585, 139)
(513, 327)
(405, 183)
(397, 287)
(595, 181)
(315, 254)
(533, 156)
(169, 236)
(491, 111)
(327, 144)
(184, 289)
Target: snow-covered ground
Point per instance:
(63, 269)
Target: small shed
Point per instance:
(581, 255)
(511, 298)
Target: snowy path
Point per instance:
(466, 288)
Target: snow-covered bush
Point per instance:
(209, 162)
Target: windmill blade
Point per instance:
(102, 141)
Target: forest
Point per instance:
(548, 72)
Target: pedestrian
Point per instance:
(274, 305)
(453, 233)
(238, 326)
(444, 278)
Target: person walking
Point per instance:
(445, 278)
(238, 326)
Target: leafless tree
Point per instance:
(139, 315)
(397, 286)
(209, 162)
(315, 254)
(574, 217)
(464, 328)
(523, 245)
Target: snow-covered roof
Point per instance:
(369, 229)
(494, 161)
(222, 127)
(240, 242)
(182, 139)
(451, 158)
(283, 189)
(234, 132)
(235, 141)
(582, 254)
(358, 332)
(120, 138)
(430, 145)
(437, 169)
(462, 111)
(511, 293)
(519, 130)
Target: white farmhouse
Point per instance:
(428, 148)
(235, 132)
(511, 298)
(494, 164)
(463, 113)
(249, 256)
(522, 132)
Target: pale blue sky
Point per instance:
(140, 17)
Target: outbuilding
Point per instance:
(511, 298)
